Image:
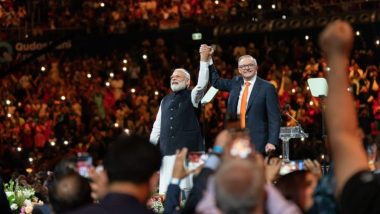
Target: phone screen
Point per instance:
(241, 143)
(84, 164)
(195, 159)
(291, 166)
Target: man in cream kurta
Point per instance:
(177, 121)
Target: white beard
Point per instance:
(178, 87)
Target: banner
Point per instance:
(31, 46)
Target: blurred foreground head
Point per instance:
(298, 186)
(240, 186)
(69, 192)
(132, 159)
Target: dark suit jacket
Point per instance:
(263, 118)
(115, 203)
(172, 198)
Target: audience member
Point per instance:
(69, 193)
(298, 187)
(357, 187)
(130, 184)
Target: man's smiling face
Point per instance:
(247, 68)
(178, 81)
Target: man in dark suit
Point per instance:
(255, 100)
(131, 165)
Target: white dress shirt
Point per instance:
(252, 81)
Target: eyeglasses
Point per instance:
(247, 66)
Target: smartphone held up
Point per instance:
(241, 143)
(84, 164)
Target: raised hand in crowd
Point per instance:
(272, 168)
(346, 143)
(357, 187)
(314, 167)
(99, 183)
(179, 169)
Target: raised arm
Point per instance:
(203, 76)
(346, 143)
(216, 81)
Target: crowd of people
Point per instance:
(78, 103)
(117, 16)
(62, 105)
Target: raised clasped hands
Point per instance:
(205, 52)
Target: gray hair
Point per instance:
(239, 187)
(247, 56)
(187, 74)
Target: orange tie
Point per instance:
(243, 105)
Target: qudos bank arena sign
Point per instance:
(36, 46)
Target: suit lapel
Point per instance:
(234, 95)
(255, 91)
